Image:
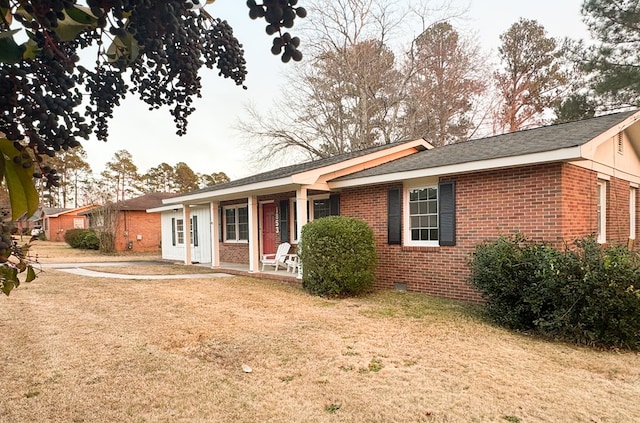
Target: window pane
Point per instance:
(433, 234)
(413, 208)
(423, 207)
(432, 193)
(413, 195)
(415, 221)
(321, 208)
(415, 235)
(422, 194)
(424, 234)
(433, 222)
(432, 207)
(243, 231)
(243, 215)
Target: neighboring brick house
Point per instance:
(133, 228)
(56, 221)
(429, 207)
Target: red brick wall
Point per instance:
(488, 204)
(617, 211)
(57, 226)
(130, 224)
(579, 202)
(234, 252)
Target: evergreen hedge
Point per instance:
(338, 256)
(586, 293)
(84, 239)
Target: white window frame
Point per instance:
(179, 231)
(78, 223)
(602, 212)
(236, 209)
(407, 216)
(633, 195)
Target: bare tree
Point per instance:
(350, 93)
(531, 79)
(448, 77)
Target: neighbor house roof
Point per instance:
(141, 203)
(548, 143)
(56, 212)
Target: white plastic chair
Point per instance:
(277, 259)
(292, 263)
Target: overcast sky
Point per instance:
(212, 145)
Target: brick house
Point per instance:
(133, 228)
(56, 221)
(428, 206)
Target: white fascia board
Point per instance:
(230, 192)
(165, 208)
(565, 154)
(589, 148)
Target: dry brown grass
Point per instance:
(60, 252)
(81, 349)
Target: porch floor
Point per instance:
(243, 270)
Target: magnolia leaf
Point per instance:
(9, 34)
(23, 195)
(81, 14)
(31, 49)
(6, 13)
(31, 274)
(10, 51)
(8, 278)
(123, 49)
(77, 19)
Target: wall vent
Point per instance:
(619, 143)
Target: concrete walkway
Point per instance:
(79, 269)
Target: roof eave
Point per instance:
(565, 154)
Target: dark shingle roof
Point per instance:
(286, 171)
(538, 140)
(144, 202)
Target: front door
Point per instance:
(268, 228)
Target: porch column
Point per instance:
(254, 243)
(302, 207)
(186, 217)
(214, 208)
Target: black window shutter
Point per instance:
(394, 216)
(447, 215)
(194, 229)
(173, 231)
(284, 221)
(334, 205)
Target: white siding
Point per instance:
(201, 253)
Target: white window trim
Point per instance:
(237, 223)
(178, 231)
(633, 195)
(406, 218)
(602, 195)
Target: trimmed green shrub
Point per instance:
(338, 256)
(84, 239)
(586, 294)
